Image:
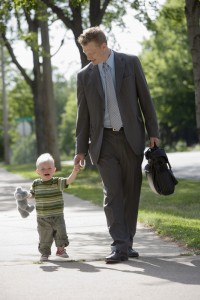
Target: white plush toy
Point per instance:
(21, 197)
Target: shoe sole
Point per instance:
(43, 260)
(133, 256)
(62, 256)
(112, 261)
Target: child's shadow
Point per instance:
(55, 265)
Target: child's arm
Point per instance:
(73, 175)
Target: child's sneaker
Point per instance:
(61, 252)
(44, 257)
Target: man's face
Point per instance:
(95, 53)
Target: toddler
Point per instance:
(47, 191)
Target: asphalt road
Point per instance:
(184, 164)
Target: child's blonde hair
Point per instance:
(44, 158)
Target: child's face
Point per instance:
(46, 170)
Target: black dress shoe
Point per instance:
(132, 253)
(116, 257)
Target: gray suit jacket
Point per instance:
(134, 100)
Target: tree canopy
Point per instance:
(165, 57)
(168, 65)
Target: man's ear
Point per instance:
(104, 46)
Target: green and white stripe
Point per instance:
(48, 196)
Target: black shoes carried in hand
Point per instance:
(117, 256)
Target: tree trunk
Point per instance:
(37, 87)
(51, 140)
(5, 112)
(192, 12)
(41, 86)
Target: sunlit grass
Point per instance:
(176, 216)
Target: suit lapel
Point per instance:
(96, 79)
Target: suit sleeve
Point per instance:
(145, 101)
(83, 120)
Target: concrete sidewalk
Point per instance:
(161, 272)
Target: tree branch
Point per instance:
(15, 61)
(75, 24)
(103, 10)
(59, 12)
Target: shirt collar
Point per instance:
(110, 60)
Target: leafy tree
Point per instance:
(103, 12)
(20, 101)
(63, 89)
(77, 15)
(167, 62)
(65, 95)
(41, 84)
(174, 10)
(7, 78)
(192, 12)
(68, 125)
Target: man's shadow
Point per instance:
(185, 270)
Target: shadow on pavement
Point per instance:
(174, 269)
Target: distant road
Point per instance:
(184, 164)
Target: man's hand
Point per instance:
(79, 160)
(153, 141)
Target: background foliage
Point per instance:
(165, 57)
(168, 66)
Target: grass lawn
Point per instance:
(176, 216)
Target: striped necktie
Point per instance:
(114, 113)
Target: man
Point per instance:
(116, 150)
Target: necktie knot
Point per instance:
(106, 67)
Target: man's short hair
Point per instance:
(93, 34)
